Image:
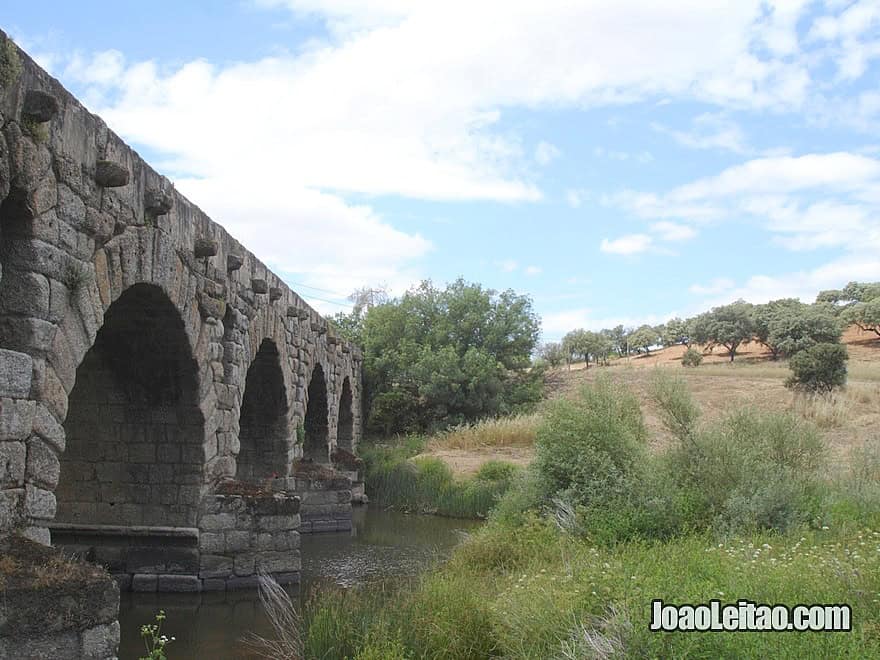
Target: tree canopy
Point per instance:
(441, 356)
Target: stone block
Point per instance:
(144, 583)
(13, 457)
(45, 422)
(179, 583)
(286, 540)
(100, 642)
(243, 564)
(243, 582)
(277, 562)
(60, 646)
(39, 106)
(158, 202)
(214, 584)
(277, 523)
(39, 503)
(36, 534)
(259, 285)
(109, 174)
(217, 521)
(211, 542)
(16, 372)
(215, 566)
(16, 419)
(205, 247)
(237, 541)
(43, 467)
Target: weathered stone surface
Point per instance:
(179, 583)
(205, 247)
(39, 106)
(39, 503)
(144, 583)
(47, 427)
(16, 419)
(143, 453)
(61, 646)
(43, 467)
(211, 307)
(15, 374)
(13, 456)
(100, 642)
(158, 202)
(109, 174)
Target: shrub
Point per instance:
(678, 411)
(754, 470)
(590, 448)
(393, 411)
(820, 368)
(691, 358)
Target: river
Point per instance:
(381, 545)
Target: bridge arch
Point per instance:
(134, 430)
(264, 423)
(345, 419)
(316, 423)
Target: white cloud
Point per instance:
(670, 231)
(545, 153)
(533, 270)
(807, 202)
(627, 245)
(803, 284)
(709, 131)
(613, 154)
(508, 265)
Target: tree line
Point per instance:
(785, 327)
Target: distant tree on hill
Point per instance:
(643, 338)
(728, 325)
(552, 353)
(857, 303)
(675, 332)
(617, 337)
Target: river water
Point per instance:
(381, 545)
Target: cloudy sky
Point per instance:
(620, 160)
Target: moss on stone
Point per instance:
(10, 62)
(39, 131)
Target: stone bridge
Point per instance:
(158, 383)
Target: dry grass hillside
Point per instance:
(846, 419)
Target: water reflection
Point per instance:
(381, 545)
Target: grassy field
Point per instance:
(846, 420)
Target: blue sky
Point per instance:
(619, 161)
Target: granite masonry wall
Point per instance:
(146, 360)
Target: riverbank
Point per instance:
(752, 504)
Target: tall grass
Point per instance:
(515, 431)
(427, 485)
(826, 411)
